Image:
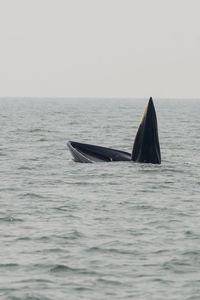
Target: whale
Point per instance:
(146, 146)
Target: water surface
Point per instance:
(117, 230)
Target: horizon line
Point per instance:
(98, 97)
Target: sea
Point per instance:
(118, 230)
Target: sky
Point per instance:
(100, 48)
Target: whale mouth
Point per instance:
(78, 156)
(146, 148)
(91, 153)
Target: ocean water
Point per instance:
(117, 230)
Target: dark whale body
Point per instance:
(146, 147)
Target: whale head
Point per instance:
(146, 147)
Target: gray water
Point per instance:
(117, 230)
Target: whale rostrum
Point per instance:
(146, 147)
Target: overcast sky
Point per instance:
(100, 48)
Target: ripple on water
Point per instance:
(112, 251)
(25, 167)
(63, 268)
(179, 266)
(59, 269)
(31, 195)
(9, 266)
(3, 153)
(11, 219)
(73, 235)
(30, 296)
(106, 281)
